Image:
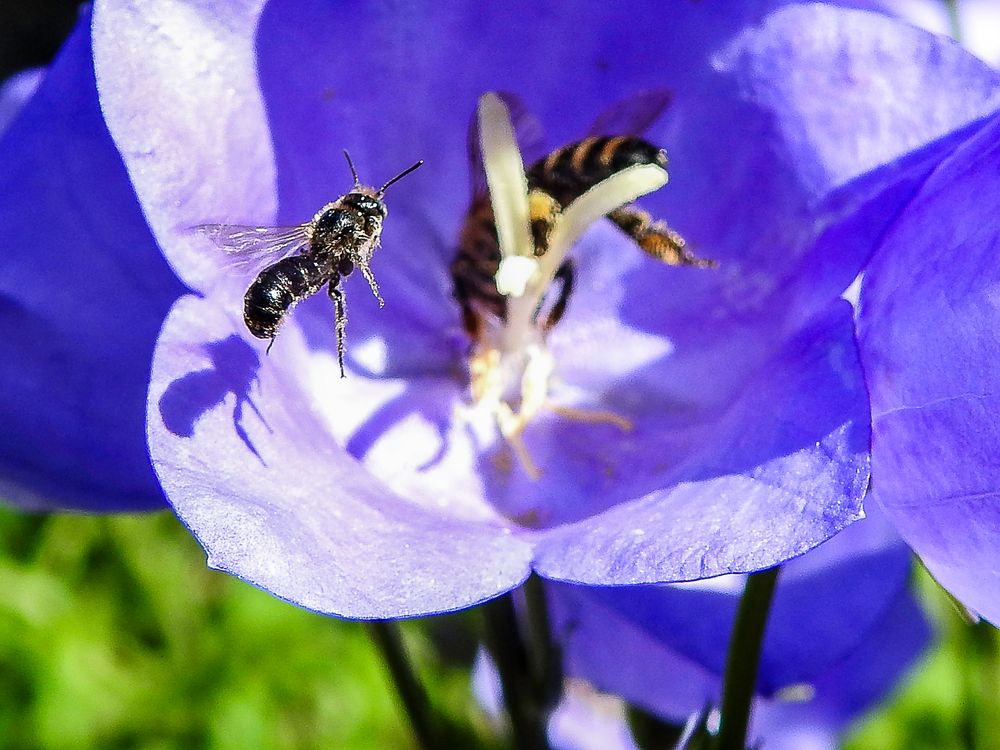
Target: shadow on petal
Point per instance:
(395, 410)
(233, 370)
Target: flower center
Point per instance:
(510, 367)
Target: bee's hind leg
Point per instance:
(656, 238)
(340, 303)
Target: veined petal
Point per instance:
(253, 471)
(782, 470)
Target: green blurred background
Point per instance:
(114, 634)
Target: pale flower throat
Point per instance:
(510, 367)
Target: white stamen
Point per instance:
(505, 176)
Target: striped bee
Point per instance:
(554, 181)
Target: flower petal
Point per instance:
(888, 76)
(789, 157)
(856, 683)
(82, 295)
(179, 92)
(928, 322)
(842, 645)
(15, 93)
(974, 20)
(255, 474)
(781, 471)
(815, 618)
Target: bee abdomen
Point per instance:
(570, 171)
(276, 289)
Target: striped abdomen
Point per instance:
(568, 172)
(277, 288)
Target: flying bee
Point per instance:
(554, 181)
(342, 236)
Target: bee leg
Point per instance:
(337, 297)
(564, 275)
(367, 273)
(269, 345)
(656, 238)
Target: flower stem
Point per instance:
(744, 659)
(389, 641)
(546, 656)
(504, 642)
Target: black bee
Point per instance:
(555, 181)
(342, 236)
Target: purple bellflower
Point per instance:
(796, 135)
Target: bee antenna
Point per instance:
(354, 172)
(400, 176)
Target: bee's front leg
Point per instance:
(340, 303)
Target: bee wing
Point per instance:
(632, 115)
(250, 249)
(527, 129)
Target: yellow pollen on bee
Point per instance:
(511, 370)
